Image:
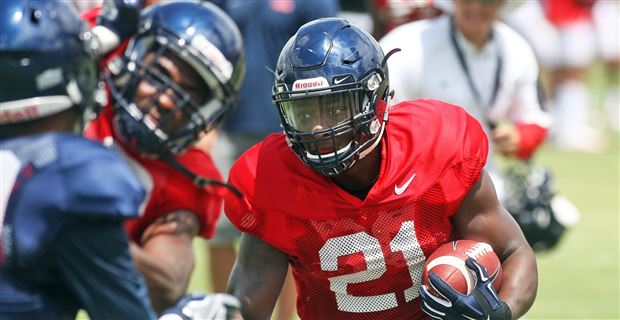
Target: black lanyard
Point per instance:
(470, 81)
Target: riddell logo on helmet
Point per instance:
(312, 83)
(10, 116)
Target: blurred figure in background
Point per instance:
(562, 33)
(266, 25)
(606, 17)
(177, 79)
(63, 199)
(389, 14)
(472, 60)
(358, 12)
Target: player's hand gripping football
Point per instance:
(481, 303)
(215, 306)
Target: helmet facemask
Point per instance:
(141, 119)
(330, 128)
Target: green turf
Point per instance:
(200, 281)
(580, 279)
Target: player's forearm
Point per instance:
(257, 291)
(165, 256)
(520, 281)
(166, 280)
(257, 277)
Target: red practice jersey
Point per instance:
(363, 259)
(168, 189)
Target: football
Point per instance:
(448, 262)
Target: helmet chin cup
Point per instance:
(374, 127)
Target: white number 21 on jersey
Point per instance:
(405, 241)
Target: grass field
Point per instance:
(580, 279)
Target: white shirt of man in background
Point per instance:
(429, 67)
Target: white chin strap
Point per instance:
(105, 40)
(329, 155)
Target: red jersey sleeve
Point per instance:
(263, 177)
(474, 148)
(532, 136)
(242, 175)
(455, 142)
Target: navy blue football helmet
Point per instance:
(46, 65)
(204, 44)
(331, 91)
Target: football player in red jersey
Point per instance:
(355, 195)
(177, 79)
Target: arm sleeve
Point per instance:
(465, 173)
(531, 137)
(94, 261)
(239, 210)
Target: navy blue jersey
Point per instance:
(63, 201)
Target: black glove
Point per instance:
(120, 17)
(216, 306)
(481, 303)
(117, 21)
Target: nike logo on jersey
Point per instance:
(399, 190)
(339, 81)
